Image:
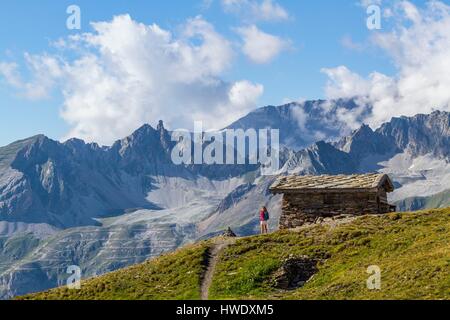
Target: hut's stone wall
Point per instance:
(304, 208)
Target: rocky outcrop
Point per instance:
(365, 142)
(421, 134)
(295, 272)
(229, 234)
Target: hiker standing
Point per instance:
(264, 218)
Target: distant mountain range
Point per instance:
(104, 208)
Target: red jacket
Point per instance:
(262, 216)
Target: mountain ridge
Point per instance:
(108, 207)
(47, 177)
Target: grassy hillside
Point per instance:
(412, 250)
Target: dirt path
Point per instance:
(216, 249)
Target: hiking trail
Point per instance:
(219, 245)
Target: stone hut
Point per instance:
(307, 199)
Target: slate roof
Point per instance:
(326, 182)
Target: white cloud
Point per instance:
(344, 83)
(244, 93)
(261, 47)
(419, 46)
(10, 74)
(411, 12)
(128, 73)
(44, 69)
(254, 10)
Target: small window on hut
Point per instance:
(330, 199)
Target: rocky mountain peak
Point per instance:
(164, 137)
(365, 142)
(37, 149)
(421, 134)
(160, 126)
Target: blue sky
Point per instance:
(314, 32)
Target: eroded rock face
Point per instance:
(421, 134)
(295, 272)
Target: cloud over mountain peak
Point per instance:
(419, 46)
(127, 73)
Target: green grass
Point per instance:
(412, 250)
(173, 276)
